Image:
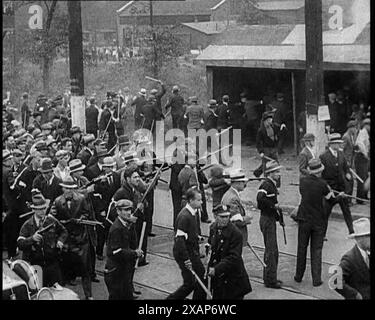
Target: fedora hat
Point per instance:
(47, 126)
(124, 203)
(46, 165)
(7, 154)
(61, 154)
(76, 165)
(237, 176)
(88, 138)
(69, 183)
(221, 210)
(335, 138)
(39, 202)
(124, 140)
(142, 92)
(108, 162)
(361, 228)
(315, 166)
(308, 137)
(272, 166)
(212, 103)
(351, 124)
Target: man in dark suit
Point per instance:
(335, 172)
(69, 208)
(312, 221)
(25, 110)
(158, 95)
(176, 103)
(186, 248)
(306, 154)
(107, 124)
(282, 111)
(355, 264)
(92, 114)
(122, 253)
(268, 205)
(266, 141)
(226, 267)
(232, 200)
(223, 114)
(47, 183)
(139, 102)
(151, 114)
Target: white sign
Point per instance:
(323, 113)
(78, 108)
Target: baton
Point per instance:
(209, 295)
(353, 197)
(356, 175)
(152, 79)
(26, 214)
(141, 241)
(212, 153)
(256, 255)
(221, 132)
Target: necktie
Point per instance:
(69, 203)
(368, 260)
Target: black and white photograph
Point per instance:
(201, 151)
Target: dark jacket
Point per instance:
(183, 248)
(223, 114)
(151, 114)
(267, 198)
(45, 252)
(49, 191)
(312, 190)
(121, 245)
(187, 178)
(176, 103)
(158, 97)
(264, 141)
(231, 280)
(139, 102)
(84, 155)
(105, 118)
(92, 114)
(219, 188)
(334, 169)
(79, 234)
(356, 275)
(210, 119)
(195, 114)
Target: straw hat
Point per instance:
(361, 228)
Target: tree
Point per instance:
(40, 46)
(250, 14)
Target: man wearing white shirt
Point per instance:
(186, 248)
(362, 158)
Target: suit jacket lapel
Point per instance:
(361, 265)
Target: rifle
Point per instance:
(281, 221)
(45, 229)
(83, 221)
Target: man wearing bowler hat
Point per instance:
(266, 141)
(312, 221)
(355, 264)
(306, 154)
(122, 253)
(226, 267)
(232, 200)
(269, 215)
(335, 172)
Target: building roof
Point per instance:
(280, 5)
(335, 57)
(209, 27)
(162, 8)
(254, 35)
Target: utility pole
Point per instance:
(76, 65)
(314, 72)
(155, 58)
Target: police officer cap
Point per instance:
(221, 210)
(124, 203)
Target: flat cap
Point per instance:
(124, 203)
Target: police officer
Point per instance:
(268, 205)
(121, 253)
(226, 267)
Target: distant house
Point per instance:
(135, 15)
(199, 35)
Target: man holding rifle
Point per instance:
(269, 214)
(41, 238)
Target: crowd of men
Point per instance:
(68, 195)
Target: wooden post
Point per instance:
(294, 113)
(210, 82)
(314, 71)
